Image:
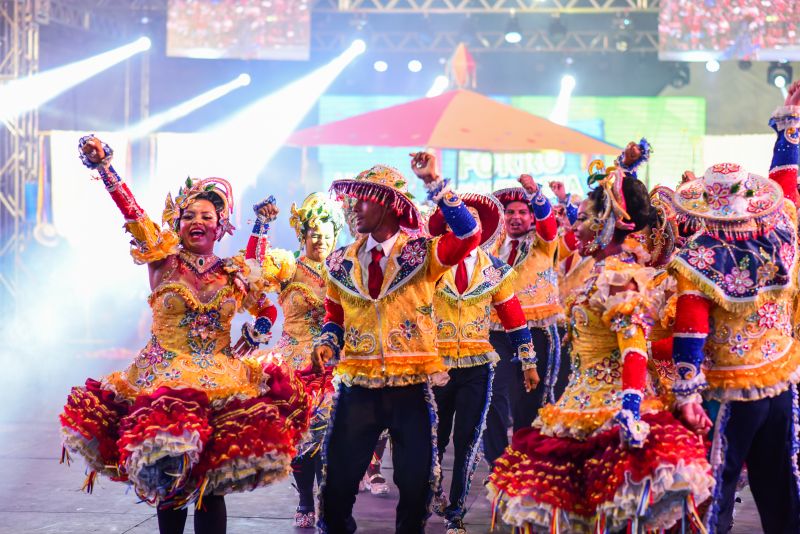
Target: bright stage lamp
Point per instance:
(415, 65)
(439, 86)
(358, 47)
(712, 65)
(380, 66)
(155, 122)
(560, 113)
(19, 96)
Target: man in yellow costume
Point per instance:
(529, 246)
(464, 300)
(380, 335)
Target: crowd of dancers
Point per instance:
(640, 344)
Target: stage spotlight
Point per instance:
(622, 42)
(680, 75)
(155, 122)
(513, 31)
(18, 96)
(623, 38)
(712, 65)
(415, 65)
(380, 66)
(779, 75)
(358, 47)
(440, 85)
(560, 113)
(469, 34)
(556, 29)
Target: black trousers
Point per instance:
(511, 405)
(361, 414)
(760, 433)
(462, 405)
(305, 469)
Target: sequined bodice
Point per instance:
(302, 303)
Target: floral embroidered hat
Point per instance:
(510, 194)
(383, 185)
(316, 209)
(729, 201)
(490, 213)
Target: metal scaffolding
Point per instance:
(19, 150)
(487, 6)
(571, 42)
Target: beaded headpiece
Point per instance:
(385, 186)
(190, 191)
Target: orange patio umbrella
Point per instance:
(457, 120)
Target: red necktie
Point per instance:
(513, 254)
(375, 273)
(461, 277)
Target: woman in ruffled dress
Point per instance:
(300, 286)
(608, 455)
(191, 419)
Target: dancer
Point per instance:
(190, 419)
(733, 339)
(380, 335)
(462, 304)
(531, 253)
(607, 455)
(300, 286)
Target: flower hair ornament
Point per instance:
(615, 214)
(315, 210)
(187, 194)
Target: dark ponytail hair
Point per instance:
(638, 205)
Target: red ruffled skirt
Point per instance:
(174, 445)
(555, 484)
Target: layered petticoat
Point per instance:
(175, 445)
(559, 484)
(320, 391)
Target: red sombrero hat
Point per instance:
(490, 212)
(511, 194)
(383, 185)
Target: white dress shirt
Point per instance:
(505, 249)
(365, 255)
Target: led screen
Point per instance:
(239, 29)
(700, 30)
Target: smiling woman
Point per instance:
(191, 419)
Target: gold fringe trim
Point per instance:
(360, 302)
(311, 297)
(718, 296)
(507, 280)
(158, 243)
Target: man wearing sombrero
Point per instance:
(380, 335)
(528, 245)
(733, 344)
(464, 298)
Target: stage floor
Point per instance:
(37, 495)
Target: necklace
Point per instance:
(313, 267)
(200, 263)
